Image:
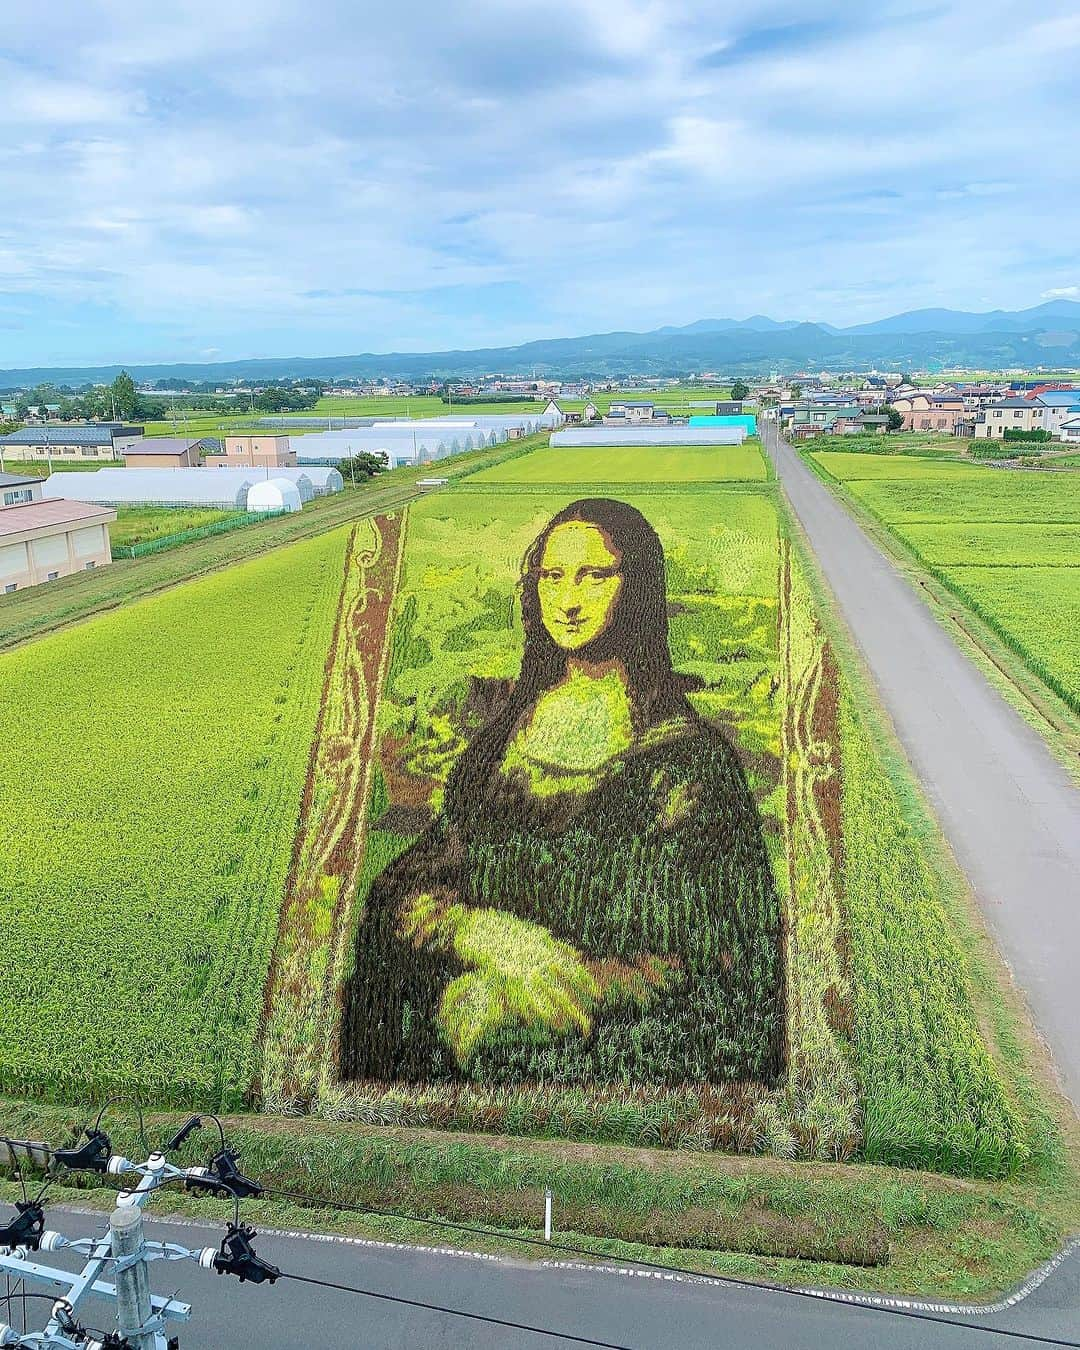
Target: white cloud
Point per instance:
(1061, 293)
(263, 176)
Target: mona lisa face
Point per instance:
(579, 583)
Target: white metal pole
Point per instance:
(547, 1214)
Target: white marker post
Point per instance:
(547, 1214)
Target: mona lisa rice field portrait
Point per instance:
(594, 844)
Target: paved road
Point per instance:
(1009, 809)
(636, 1312)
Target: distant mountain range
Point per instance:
(923, 339)
(1054, 314)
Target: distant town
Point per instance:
(90, 473)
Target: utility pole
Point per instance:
(123, 1253)
(133, 1308)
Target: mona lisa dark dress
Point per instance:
(663, 856)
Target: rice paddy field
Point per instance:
(628, 464)
(146, 827)
(358, 837)
(1007, 542)
(678, 397)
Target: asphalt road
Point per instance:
(1008, 808)
(635, 1311)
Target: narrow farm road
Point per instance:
(1008, 808)
(629, 1309)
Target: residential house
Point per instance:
(1008, 414)
(855, 426)
(811, 416)
(1069, 431)
(1058, 405)
(44, 540)
(633, 414)
(928, 410)
(258, 451)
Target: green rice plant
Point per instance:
(145, 834)
(1007, 544)
(140, 524)
(847, 468)
(557, 465)
(1035, 610)
(994, 545)
(968, 494)
(932, 1096)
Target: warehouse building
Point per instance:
(45, 540)
(108, 440)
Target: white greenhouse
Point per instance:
(225, 489)
(323, 481)
(645, 436)
(274, 494)
(400, 447)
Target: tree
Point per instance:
(896, 421)
(150, 409)
(362, 466)
(740, 390)
(123, 396)
(796, 391)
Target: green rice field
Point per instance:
(145, 833)
(626, 464)
(851, 467)
(1005, 541)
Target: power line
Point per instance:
(455, 1312)
(237, 1256)
(756, 1285)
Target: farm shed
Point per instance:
(647, 436)
(274, 494)
(43, 540)
(223, 488)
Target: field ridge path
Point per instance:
(1008, 808)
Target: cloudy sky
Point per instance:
(268, 177)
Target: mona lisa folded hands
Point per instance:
(518, 974)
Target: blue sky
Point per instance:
(265, 177)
